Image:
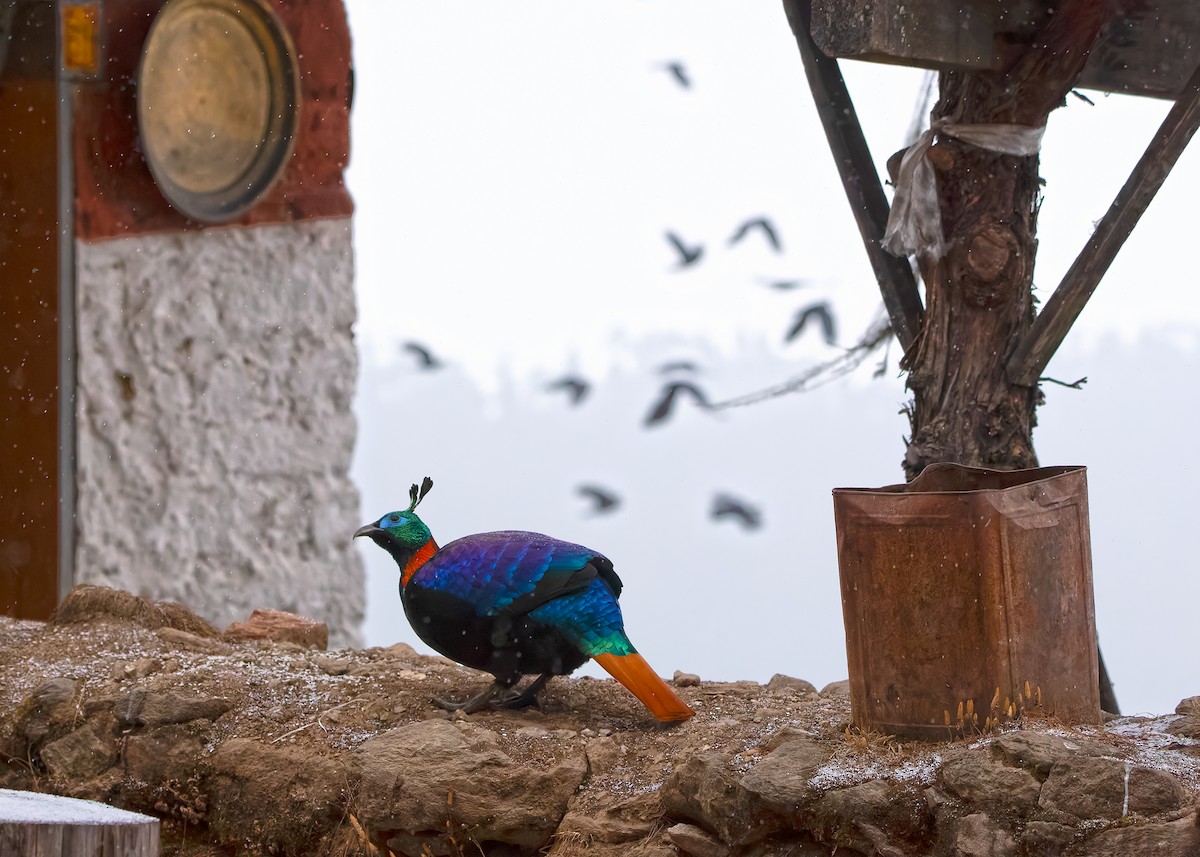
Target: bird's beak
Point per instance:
(367, 530)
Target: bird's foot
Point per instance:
(526, 698)
(478, 702)
(497, 697)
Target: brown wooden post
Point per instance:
(32, 315)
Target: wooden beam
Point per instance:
(923, 33)
(1147, 48)
(1035, 350)
(859, 177)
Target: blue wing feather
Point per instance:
(590, 618)
(492, 571)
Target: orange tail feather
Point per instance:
(640, 680)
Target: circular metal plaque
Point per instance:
(218, 103)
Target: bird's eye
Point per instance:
(392, 520)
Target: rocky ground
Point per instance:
(258, 741)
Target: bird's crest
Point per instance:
(416, 495)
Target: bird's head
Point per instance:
(400, 532)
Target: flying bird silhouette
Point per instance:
(824, 316)
(602, 499)
(670, 393)
(425, 358)
(768, 231)
(515, 604)
(725, 506)
(687, 255)
(678, 366)
(784, 285)
(575, 387)
(679, 72)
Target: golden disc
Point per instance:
(218, 103)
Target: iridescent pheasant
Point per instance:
(513, 604)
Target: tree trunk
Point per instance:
(979, 295)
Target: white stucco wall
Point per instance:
(215, 376)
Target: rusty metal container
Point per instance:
(967, 598)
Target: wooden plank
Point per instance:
(1147, 49)
(925, 33)
(1034, 352)
(32, 823)
(859, 178)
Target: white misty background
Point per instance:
(515, 170)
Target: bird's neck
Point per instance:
(413, 560)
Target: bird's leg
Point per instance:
(527, 697)
(498, 696)
(478, 702)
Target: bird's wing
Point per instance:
(757, 223)
(822, 313)
(688, 255)
(508, 574)
(772, 236)
(827, 325)
(677, 366)
(603, 498)
(567, 382)
(662, 408)
(696, 393)
(423, 354)
(727, 506)
(723, 506)
(670, 392)
(797, 327)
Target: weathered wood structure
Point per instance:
(1145, 48)
(975, 349)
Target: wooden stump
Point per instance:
(42, 825)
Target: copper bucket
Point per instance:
(967, 597)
